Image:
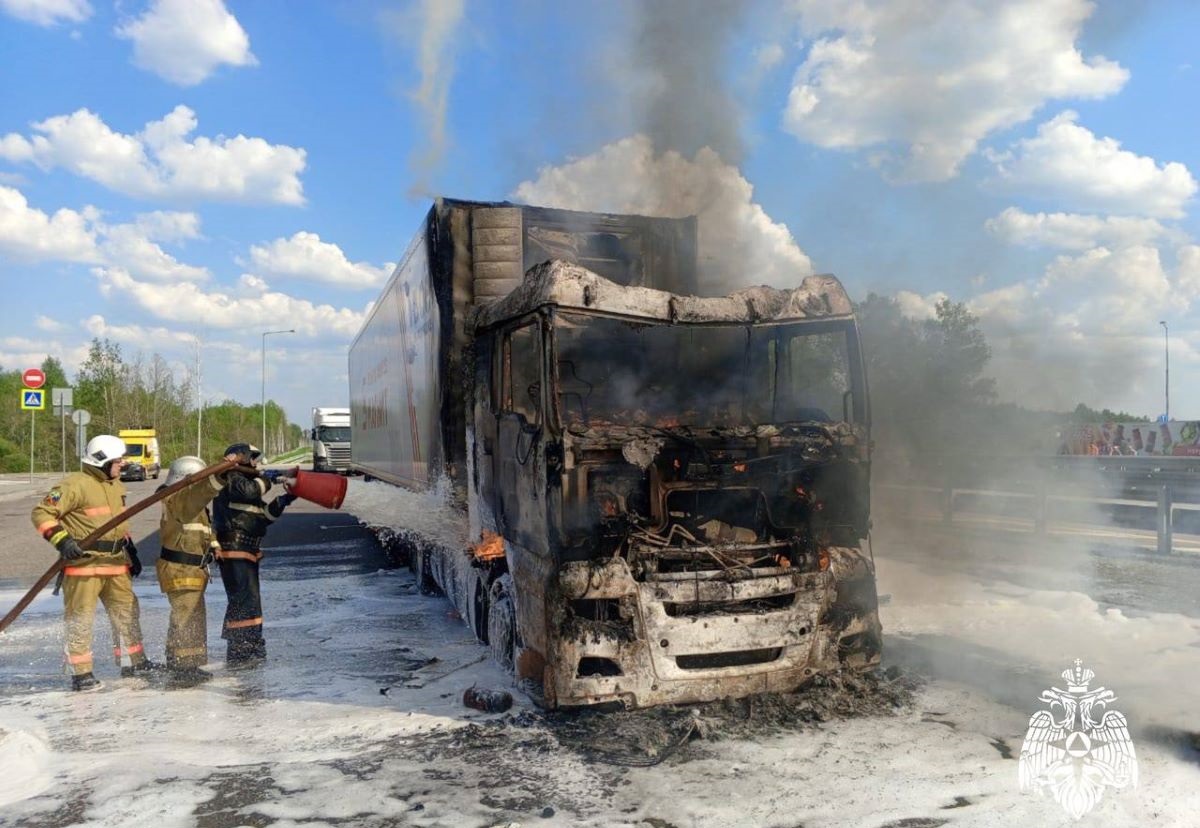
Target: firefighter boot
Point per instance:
(85, 683)
(143, 666)
(187, 677)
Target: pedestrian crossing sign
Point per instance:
(32, 400)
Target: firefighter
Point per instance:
(241, 517)
(74, 508)
(188, 546)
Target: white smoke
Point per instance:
(739, 243)
(436, 23)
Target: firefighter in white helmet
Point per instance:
(73, 509)
(188, 546)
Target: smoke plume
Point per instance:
(436, 22)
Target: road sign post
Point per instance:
(80, 417)
(33, 401)
(61, 399)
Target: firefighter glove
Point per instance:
(135, 563)
(69, 549)
(285, 499)
(274, 474)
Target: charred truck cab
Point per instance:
(666, 496)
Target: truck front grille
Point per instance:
(338, 455)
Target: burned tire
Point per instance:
(481, 603)
(502, 623)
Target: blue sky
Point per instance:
(1035, 159)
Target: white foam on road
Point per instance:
(308, 739)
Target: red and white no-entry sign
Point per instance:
(33, 378)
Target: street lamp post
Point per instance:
(1167, 363)
(263, 447)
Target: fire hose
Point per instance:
(195, 477)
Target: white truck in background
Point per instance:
(331, 439)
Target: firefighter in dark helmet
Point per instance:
(188, 546)
(73, 509)
(241, 517)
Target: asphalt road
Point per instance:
(24, 555)
(1113, 572)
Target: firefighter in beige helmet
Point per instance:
(188, 547)
(71, 510)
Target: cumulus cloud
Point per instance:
(48, 12)
(187, 303)
(160, 161)
(1089, 324)
(167, 226)
(28, 234)
(154, 337)
(915, 306)
(305, 256)
(1066, 161)
(185, 41)
(739, 243)
(128, 246)
(45, 323)
(1073, 231)
(923, 83)
(21, 352)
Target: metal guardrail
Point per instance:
(1158, 482)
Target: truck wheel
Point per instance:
(480, 606)
(502, 623)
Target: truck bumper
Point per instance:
(697, 636)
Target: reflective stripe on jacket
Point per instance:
(240, 508)
(82, 503)
(185, 527)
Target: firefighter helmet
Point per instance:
(181, 467)
(245, 450)
(102, 450)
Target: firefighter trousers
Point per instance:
(187, 631)
(80, 593)
(184, 585)
(242, 629)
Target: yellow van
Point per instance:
(142, 459)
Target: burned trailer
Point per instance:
(664, 496)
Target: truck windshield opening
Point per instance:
(617, 372)
(133, 449)
(334, 434)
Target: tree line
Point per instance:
(130, 392)
(931, 394)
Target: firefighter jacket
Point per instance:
(187, 537)
(240, 515)
(82, 503)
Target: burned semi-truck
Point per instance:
(665, 497)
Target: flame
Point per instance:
(823, 559)
(740, 467)
(489, 548)
(608, 504)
